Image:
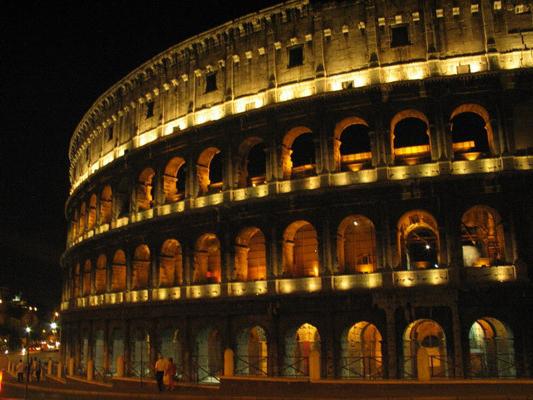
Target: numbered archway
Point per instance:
(424, 350)
(361, 352)
(299, 343)
(491, 349)
(208, 356)
(251, 357)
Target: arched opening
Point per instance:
(250, 255)
(140, 267)
(298, 153)
(98, 351)
(174, 180)
(209, 169)
(144, 198)
(208, 356)
(171, 346)
(76, 278)
(361, 352)
(356, 245)
(491, 349)
(352, 148)
(299, 344)
(170, 264)
(207, 259)
(482, 237)
(471, 130)
(252, 352)
(123, 199)
(418, 240)
(83, 218)
(424, 350)
(116, 349)
(300, 250)
(139, 353)
(251, 166)
(87, 270)
(410, 137)
(118, 271)
(91, 217)
(106, 202)
(100, 277)
(84, 353)
(75, 224)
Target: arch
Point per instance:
(207, 259)
(91, 215)
(424, 350)
(491, 349)
(251, 162)
(299, 343)
(98, 349)
(118, 271)
(250, 255)
(123, 198)
(106, 202)
(418, 240)
(410, 136)
(83, 217)
(482, 237)
(170, 346)
(140, 267)
(170, 263)
(300, 250)
(361, 352)
(356, 245)
(306, 157)
(116, 348)
(87, 271)
(139, 352)
(351, 144)
(76, 278)
(174, 180)
(75, 224)
(204, 172)
(252, 352)
(100, 278)
(471, 138)
(209, 355)
(144, 198)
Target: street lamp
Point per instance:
(53, 325)
(28, 331)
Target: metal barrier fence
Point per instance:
(251, 365)
(296, 366)
(363, 367)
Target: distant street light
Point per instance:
(28, 331)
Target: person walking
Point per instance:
(170, 372)
(20, 371)
(160, 372)
(38, 370)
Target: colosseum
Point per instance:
(348, 180)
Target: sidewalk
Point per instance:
(284, 388)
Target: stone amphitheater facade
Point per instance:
(350, 178)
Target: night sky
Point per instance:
(56, 58)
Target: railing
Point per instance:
(362, 367)
(251, 365)
(408, 368)
(203, 372)
(496, 366)
(100, 374)
(441, 367)
(296, 366)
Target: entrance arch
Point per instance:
(170, 347)
(116, 349)
(252, 352)
(491, 349)
(424, 350)
(208, 357)
(299, 344)
(361, 352)
(139, 353)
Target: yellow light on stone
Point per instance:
(216, 113)
(335, 85)
(360, 80)
(286, 94)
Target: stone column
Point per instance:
(457, 342)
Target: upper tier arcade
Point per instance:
(294, 50)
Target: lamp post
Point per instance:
(28, 331)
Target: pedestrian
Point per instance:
(170, 372)
(33, 369)
(38, 370)
(20, 371)
(160, 372)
